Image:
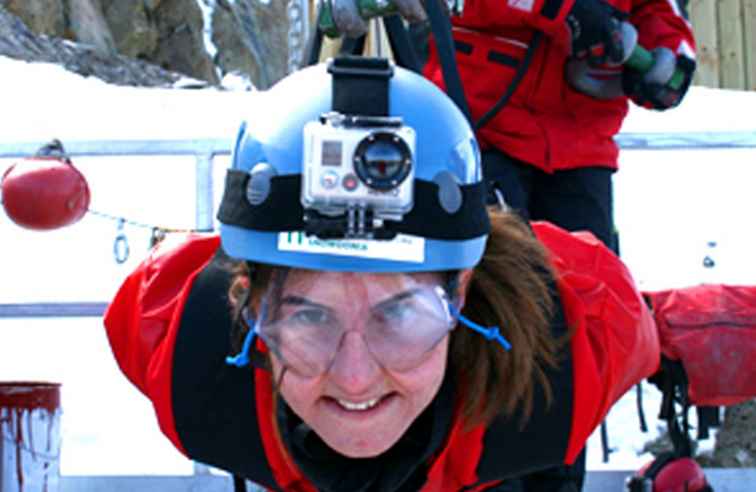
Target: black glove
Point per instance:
(653, 89)
(595, 31)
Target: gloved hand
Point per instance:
(653, 89)
(350, 16)
(595, 30)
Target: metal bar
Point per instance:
(53, 310)
(200, 483)
(634, 141)
(204, 203)
(687, 140)
(98, 148)
(721, 479)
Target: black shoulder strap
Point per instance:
(213, 403)
(441, 28)
(405, 54)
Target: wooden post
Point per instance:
(703, 15)
(731, 55)
(378, 42)
(749, 31)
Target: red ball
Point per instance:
(44, 193)
(679, 475)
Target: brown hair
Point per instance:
(509, 289)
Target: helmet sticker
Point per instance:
(403, 247)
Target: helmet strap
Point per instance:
(360, 85)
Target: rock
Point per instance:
(252, 37)
(132, 26)
(263, 40)
(89, 27)
(736, 439)
(181, 45)
(233, 55)
(17, 41)
(41, 16)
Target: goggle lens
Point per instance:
(399, 332)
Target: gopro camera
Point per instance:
(360, 166)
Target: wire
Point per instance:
(143, 225)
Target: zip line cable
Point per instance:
(121, 248)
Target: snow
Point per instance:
(43, 100)
(208, 8)
(670, 205)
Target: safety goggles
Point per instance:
(399, 330)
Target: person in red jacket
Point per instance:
(364, 322)
(549, 148)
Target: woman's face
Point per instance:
(357, 406)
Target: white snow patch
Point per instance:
(208, 9)
(43, 100)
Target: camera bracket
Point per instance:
(356, 223)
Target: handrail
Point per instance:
(140, 147)
(53, 310)
(205, 150)
(686, 140)
(218, 146)
(721, 479)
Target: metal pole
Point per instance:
(204, 202)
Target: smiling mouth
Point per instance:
(360, 406)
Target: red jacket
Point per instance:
(167, 327)
(546, 123)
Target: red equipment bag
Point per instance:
(711, 330)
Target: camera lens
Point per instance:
(382, 160)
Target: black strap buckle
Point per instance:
(360, 66)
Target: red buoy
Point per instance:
(45, 191)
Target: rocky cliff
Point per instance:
(155, 42)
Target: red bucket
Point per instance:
(29, 437)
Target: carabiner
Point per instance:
(121, 245)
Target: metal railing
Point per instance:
(205, 150)
(721, 479)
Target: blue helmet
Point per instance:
(355, 165)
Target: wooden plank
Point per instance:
(749, 38)
(731, 54)
(703, 15)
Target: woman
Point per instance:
(398, 345)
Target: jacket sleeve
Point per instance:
(615, 343)
(142, 321)
(663, 23)
(547, 16)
